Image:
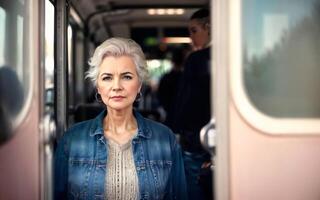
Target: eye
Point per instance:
(127, 77)
(106, 78)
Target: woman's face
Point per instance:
(118, 82)
(199, 34)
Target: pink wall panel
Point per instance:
(265, 167)
(19, 168)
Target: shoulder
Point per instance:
(198, 62)
(78, 139)
(152, 129)
(80, 126)
(160, 131)
(156, 126)
(161, 139)
(78, 131)
(203, 53)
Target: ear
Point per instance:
(140, 87)
(98, 90)
(207, 27)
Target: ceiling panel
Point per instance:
(105, 18)
(87, 7)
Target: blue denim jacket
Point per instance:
(81, 155)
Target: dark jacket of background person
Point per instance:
(192, 106)
(169, 83)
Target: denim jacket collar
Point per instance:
(97, 128)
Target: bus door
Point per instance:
(266, 91)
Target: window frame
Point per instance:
(256, 118)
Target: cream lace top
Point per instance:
(121, 177)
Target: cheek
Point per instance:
(193, 37)
(197, 39)
(199, 36)
(102, 89)
(205, 34)
(134, 89)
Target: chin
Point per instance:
(119, 107)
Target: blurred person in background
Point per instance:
(169, 82)
(193, 110)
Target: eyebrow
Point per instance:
(107, 74)
(124, 73)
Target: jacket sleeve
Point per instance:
(61, 170)
(178, 186)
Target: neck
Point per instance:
(207, 44)
(119, 122)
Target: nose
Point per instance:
(116, 86)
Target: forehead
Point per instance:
(194, 23)
(117, 63)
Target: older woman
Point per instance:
(119, 154)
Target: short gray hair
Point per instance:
(117, 47)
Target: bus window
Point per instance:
(280, 57)
(2, 35)
(49, 55)
(15, 64)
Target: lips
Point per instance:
(117, 97)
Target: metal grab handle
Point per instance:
(208, 137)
(48, 138)
(49, 129)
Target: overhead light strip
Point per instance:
(167, 11)
(176, 40)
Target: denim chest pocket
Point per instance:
(79, 178)
(161, 172)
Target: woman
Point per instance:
(119, 154)
(194, 90)
(199, 29)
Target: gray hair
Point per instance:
(117, 47)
